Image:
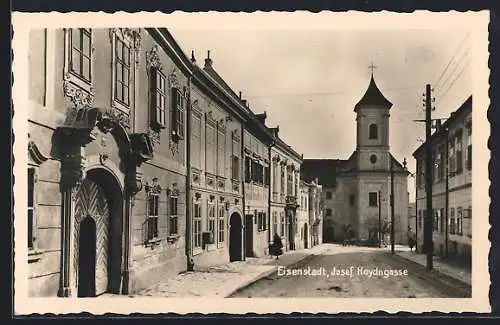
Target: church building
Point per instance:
(357, 191)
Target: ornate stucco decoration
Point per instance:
(235, 135)
(221, 125)
(153, 58)
(155, 136)
(195, 107)
(153, 187)
(173, 146)
(79, 97)
(173, 79)
(36, 156)
(113, 116)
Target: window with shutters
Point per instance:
(275, 229)
(221, 224)
(283, 180)
(469, 147)
(173, 217)
(122, 72)
(221, 153)
(152, 220)
(158, 99)
(210, 148)
(196, 224)
(211, 218)
(196, 141)
(235, 161)
(267, 176)
(178, 111)
(289, 182)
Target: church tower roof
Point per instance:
(373, 98)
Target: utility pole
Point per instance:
(379, 237)
(392, 207)
(428, 178)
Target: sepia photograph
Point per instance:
(228, 157)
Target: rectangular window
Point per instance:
(328, 195)
(122, 72)
(451, 157)
(158, 99)
(222, 224)
(80, 55)
(152, 220)
(328, 212)
(282, 188)
(173, 224)
(210, 148)
(452, 221)
(459, 222)
(469, 147)
(459, 157)
(275, 223)
(248, 170)
(267, 176)
(351, 200)
(196, 143)
(441, 221)
(178, 108)
(282, 224)
(235, 161)
(221, 153)
(436, 220)
(31, 208)
(373, 199)
(196, 225)
(211, 219)
(289, 183)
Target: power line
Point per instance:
(451, 59)
(454, 80)
(455, 68)
(328, 93)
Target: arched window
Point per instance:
(373, 131)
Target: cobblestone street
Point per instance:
(418, 283)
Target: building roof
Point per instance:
(465, 107)
(325, 170)
(373, 98)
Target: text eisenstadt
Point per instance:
(342, 272)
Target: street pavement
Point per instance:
(357, 272)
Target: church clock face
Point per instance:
(373, 159)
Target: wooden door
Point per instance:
(91, 202)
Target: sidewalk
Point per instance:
(222, 281)
(442, 266)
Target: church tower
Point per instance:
(372, 140)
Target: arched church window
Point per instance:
(373, 131)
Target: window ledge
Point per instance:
(153, 242)
(34, 255)
(172, 238)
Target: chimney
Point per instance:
(244, 101)
(240, 94)
(208, 60)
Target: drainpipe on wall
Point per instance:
(188, 242)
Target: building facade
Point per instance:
(283, 203)
(358, 191)
(451, 186)
(107, 168)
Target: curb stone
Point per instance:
(266, 274)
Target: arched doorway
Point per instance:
(306, 236)
(235, 237)
(87, 258)
(98, 234)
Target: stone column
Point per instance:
(72, 175)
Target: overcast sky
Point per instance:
(308, 81)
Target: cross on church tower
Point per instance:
(372, 67)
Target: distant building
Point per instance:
(284, 200)
(357, 190)
(451, 185)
